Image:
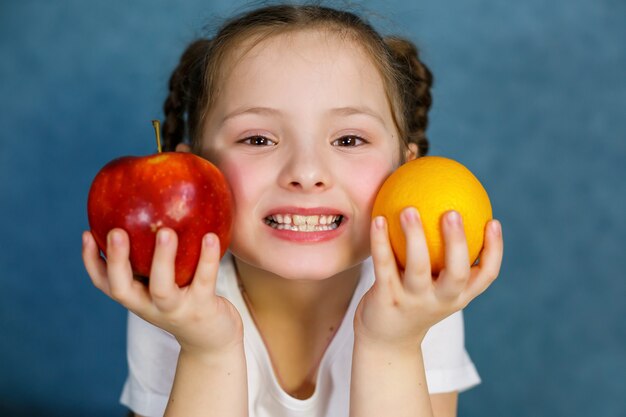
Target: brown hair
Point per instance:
(193, 85)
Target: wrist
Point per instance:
(400, 345)
(213, 357)
(407, 348)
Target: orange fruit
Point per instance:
(434, 185)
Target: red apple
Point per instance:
(171, 189)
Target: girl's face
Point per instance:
(303, 131)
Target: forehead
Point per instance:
(319, 63)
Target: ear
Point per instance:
(411, 152)
(183, 147)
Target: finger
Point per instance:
(488, 269)
(94, 264)
(385, 267)
(124, 289)
(454, 276)
(204, 279)
(417, 273)
(163, 289)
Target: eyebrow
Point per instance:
(252, 110)
(338, 111)
(357, 110)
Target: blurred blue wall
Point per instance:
(530, 95)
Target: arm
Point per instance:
(383, 377)
(388, 376)
(215, 382)
(444, 405)
(211, 367)
(406, 371)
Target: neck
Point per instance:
(273, 296)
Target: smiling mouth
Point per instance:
(300, 223)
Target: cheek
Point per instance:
(366, 179)
(363, 189)
(243, 180)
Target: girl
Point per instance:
(306, 110)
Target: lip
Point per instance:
(307, 237)
(304, 211)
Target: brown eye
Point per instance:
(258, 140)
(350, 140)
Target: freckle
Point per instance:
(331, 328)
(388, 363)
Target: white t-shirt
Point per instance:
(153, 353)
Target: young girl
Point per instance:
(306, 110)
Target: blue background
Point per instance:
(530, 95)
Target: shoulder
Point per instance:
(448, 366)
(444, 344)
(149, 347)
(448, 333)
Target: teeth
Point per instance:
(300, 223)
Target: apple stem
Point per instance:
(157, 130)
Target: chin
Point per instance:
(299, 265)
(305, 270)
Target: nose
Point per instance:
(305, 170)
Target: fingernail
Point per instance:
(209, 240)
(453, 218)
(164, 236)
(115, 238)
(85, 240)
(379, 222)
(496, 227)
(411, 215)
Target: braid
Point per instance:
(186, 86)
(415, 84)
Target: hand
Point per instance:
(200, 320)
(402, 305)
